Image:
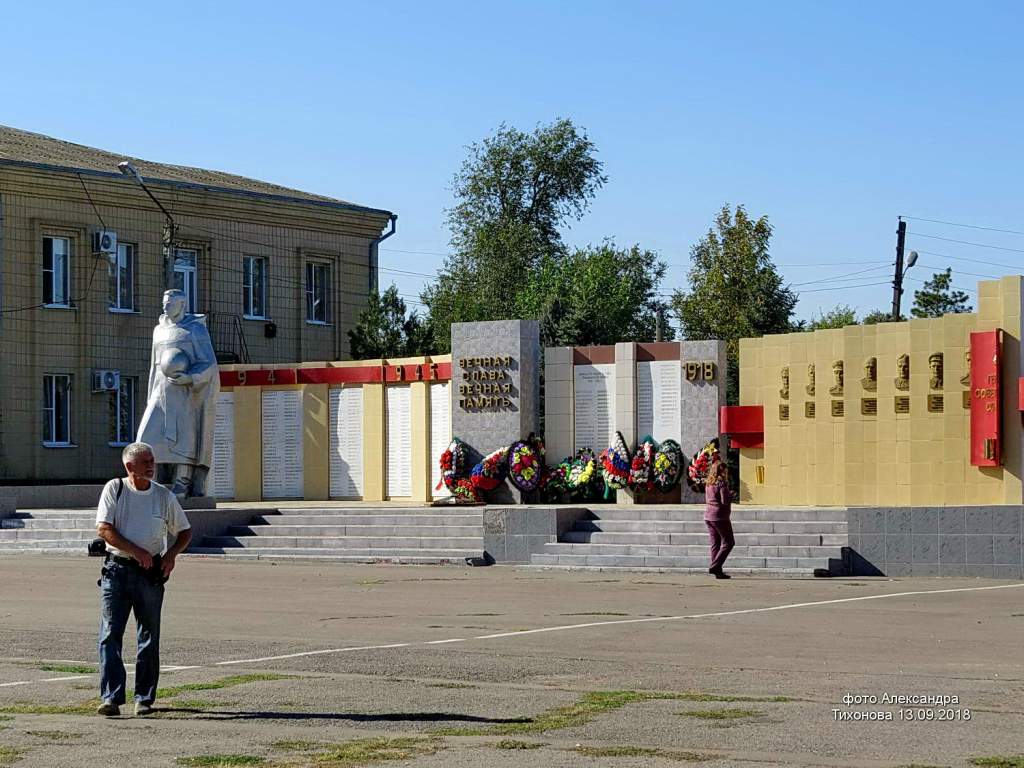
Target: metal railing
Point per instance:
(228, 339)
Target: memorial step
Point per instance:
(370, 519)
(50, 523)
(346, 542)
(688, 550)
(739, 526)
(25, 545)
(809, 565)
(669, 513)
(377, 531)
(411, 557)
(34, 534)
(655, 537)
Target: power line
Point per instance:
(965, 242)
(957, 287)
(845, 275)
(967, 226)
(845, 287)
(972, 261)
(962, 272)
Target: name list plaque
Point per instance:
(658, 409)
(282, 444)
(346, 449)
(594, 400)
(222, 473)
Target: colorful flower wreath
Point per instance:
(582, 470)
(642, 465)
(701, 464)
(537, 443)
(615, 464)
(524, 466)
(668, 466)
(491, 470)
(553, 482)
(453, 464)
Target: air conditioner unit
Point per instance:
(105, 242)
(106, 381)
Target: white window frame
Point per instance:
(313, 268)
(189, 278)
(123, 434)
(57, 283)
(250, 288)
(56, 387)
(127, 254)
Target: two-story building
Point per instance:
(85, 254)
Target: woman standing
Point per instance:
(718, 508)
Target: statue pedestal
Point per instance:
(199, 502)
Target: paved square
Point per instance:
(321, 664)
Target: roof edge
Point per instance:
(337, 205)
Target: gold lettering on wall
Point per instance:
(902, 404)
(809, 409)
(869, 406)
(699, 370)
(486, 383)
(838, 407)
(783, 412)
(935, 404)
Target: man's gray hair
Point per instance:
(134, 450)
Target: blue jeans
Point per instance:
(124, 589)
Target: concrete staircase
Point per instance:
(796, 541)
(57, 531)
(415, 535)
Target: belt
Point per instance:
(124, 560)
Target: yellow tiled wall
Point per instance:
(888, 459)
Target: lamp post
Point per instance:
(167, 238)
(897, 282)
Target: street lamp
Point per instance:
(129, 170)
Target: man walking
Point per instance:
(135, 517)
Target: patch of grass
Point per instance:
(10, 755)
(999, 761)
(6, 717)
(55, 735)
(224, 682)
(516, 744)
(921, 765)
(201, 704)
(722, 714)
(702, 697)
(359, 752)
(667, 754)
(25, 708)
(296, 745)
(450, 685)
(220, 761)
(589, 706)
(71, 669)
(595, 613)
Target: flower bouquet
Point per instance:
(524, 466)
(582, 471)
(453, 464)
(553, 482)
(701, 464)
(464, 492)
(537, 443)
(615, 464)
(641, 467)
(491, 470)
(668, 466)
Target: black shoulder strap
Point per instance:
(120, 489)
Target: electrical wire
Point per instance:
(845, 276)
(986, 262)
(965, 242)
(966, 226)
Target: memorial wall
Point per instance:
(363, 430)
(918, 413)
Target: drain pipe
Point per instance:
(373, 258)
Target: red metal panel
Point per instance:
(358, 374)
(986, 367)
(261, 377)
(363, 374)
(744, 424)
(1020, 393)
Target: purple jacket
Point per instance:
(719, 502)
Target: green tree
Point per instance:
(513, 193)
(735, 291)
(839, 316)
(938, 298)
(878, 316)
(385, 330)
(597, 295)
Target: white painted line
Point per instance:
(44, 680)
(562, 628)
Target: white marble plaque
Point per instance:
(594, 387)
(222, 473)
(346, 451)
(440, 433)
(658, 411)
(282, 444)
(398, 403)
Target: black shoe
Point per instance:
(721, 575)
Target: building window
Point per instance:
(317, 282)
(254, 287)
(124, 279)
(57, 271)
(56, 409)
(122, 412)
(185, 263)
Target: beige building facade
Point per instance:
(280, 274)
(882, 415)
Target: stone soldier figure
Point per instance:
(181, 408)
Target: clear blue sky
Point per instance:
(830, 118)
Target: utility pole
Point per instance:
(659, 320)
(897, 283)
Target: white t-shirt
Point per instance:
(145, 518)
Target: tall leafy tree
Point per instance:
(597, 295)
(385, 329)
(839, 316)
(513, 194)
(938, 297)
(735, 290)
(876, 316)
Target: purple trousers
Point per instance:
(722, 541)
